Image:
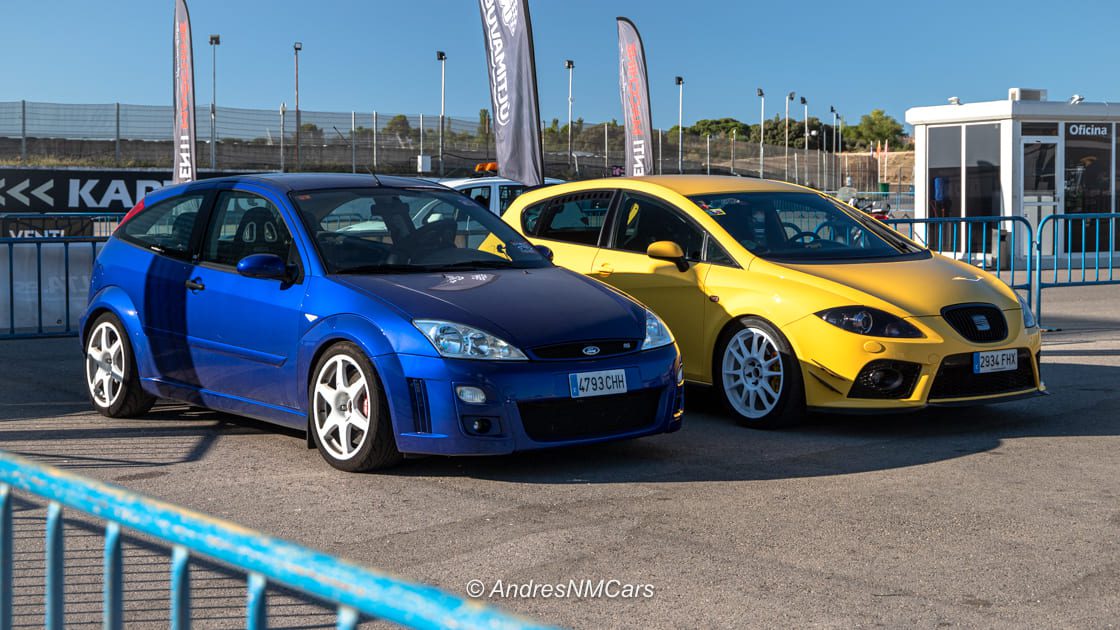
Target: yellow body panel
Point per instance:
(702, 302)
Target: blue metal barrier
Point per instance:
(1074, 250)
(984, 243)
(71, 261)
(352, 589)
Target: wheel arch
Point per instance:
(327, 333)
(113, 299)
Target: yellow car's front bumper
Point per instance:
(941, 363)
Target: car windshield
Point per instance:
(801, 227)
(382, 230)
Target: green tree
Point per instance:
(876, 127)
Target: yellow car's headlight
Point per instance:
(864, 320)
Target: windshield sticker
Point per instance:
(463, 281)
(715, 212)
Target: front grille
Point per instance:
(901, 386)
(559, 419)
(606, 348)
(970, 320)
(955, 378)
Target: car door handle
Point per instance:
(194, 285)
(605, 269)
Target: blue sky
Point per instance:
(373, 54)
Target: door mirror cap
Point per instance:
(670, 251)
(267, 266)
(545, 251)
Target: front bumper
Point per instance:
(833, 359)
(528, 404)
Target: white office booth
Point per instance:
(1025, 156)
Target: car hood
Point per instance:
(918, 287)
(526, 307)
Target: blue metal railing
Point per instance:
(981, 241)
(71, 261)
(1075, 249)
(352, 589)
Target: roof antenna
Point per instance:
(374, 176)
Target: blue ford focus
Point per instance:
(384, 316)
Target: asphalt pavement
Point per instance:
(1000, 516)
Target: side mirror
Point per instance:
(544, 251)
(670, 251)
(266, 266)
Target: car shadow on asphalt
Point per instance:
(712, 446)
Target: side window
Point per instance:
(481, 194)
(244, 224)
(506, 195)
(575, 218)
(642, 221)
(166, 226)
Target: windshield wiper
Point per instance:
(383, 268)
(467, 264)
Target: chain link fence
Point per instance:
(126, 135)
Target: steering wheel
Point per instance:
(435, 235)
(812, 236)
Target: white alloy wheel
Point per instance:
(752, 373)
(341, 407)
(105, 364)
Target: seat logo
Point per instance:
(981, 323)
(591, 350)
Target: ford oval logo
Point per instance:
(591, 350)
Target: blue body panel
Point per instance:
(248, 345)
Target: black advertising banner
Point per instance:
(513, 89)
(79, 189)
(182, 98)
(634, 88)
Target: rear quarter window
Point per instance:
(165, 227)
(576, 218)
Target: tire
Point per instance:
(112, 380)
(758, 376)
(343, 395)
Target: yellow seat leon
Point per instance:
(784, 299)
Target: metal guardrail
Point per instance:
(980, 241)
(354, 590)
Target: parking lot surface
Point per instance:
(1004, 515)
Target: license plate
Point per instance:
(995, 361)
(586, 384)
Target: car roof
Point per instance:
(701, 184)
(491, 180)
(291, 182)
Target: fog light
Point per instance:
(472, 395)
(885, 379)
(480, 426)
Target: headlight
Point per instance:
(1028, 315)
(463, 342)
(657, 333)
(863, 320)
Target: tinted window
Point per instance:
(166, 226)
(373, 230)
(574, 218)
(244, 224)
(801, 227)
(642, 221)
